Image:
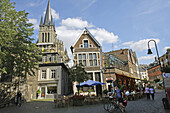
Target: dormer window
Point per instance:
(85, 43)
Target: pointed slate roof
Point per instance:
(48, 16)
(85, 31)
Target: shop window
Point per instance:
(51, 89)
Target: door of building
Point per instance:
(99, 90)
(43, 92)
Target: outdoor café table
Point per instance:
(131, 97)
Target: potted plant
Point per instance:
(105, 92)
(38, 93)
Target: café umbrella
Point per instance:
(90, 83)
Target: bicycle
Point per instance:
(113, 105)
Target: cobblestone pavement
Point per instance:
(137, 106)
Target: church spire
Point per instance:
(48, 16)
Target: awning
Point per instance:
(90, 83)
(160, 82)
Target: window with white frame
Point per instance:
(53, 73)
(94, 56)
(43, 74)
(95, 62)
(79, 56)
(90, 56)
(84, 56)
(91, 62)
(84, 62)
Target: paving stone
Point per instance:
(138, 106)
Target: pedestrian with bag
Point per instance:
(147, 92)
(152, 92)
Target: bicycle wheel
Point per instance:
(106, 106)
(111, 108)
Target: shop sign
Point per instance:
(109, 79)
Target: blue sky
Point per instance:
(115, 24)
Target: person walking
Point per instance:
(19, 95)
(152, 92)
(147, 92)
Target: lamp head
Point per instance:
(71, 49)
(149, 51)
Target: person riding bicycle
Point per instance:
(119, 95)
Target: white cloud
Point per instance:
(54, 14)
(32, 4)
(127, 43)
(75, 23)
(104, 36)
(71, 29)
(141, 44)
(146, 57)
(115, 46)
(165, 49)
(68, 36)
(34, 22)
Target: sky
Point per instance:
(116, 24)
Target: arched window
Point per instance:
(45, 37)
(42, 37)
(48, 37)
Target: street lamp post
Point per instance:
(150, 52)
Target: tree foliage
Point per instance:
(77, 73)
(157, 80)
(145, 80)
(19, 56)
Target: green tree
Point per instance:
(78, 73)
(18, 55)
(157, 80)
(145, 80)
